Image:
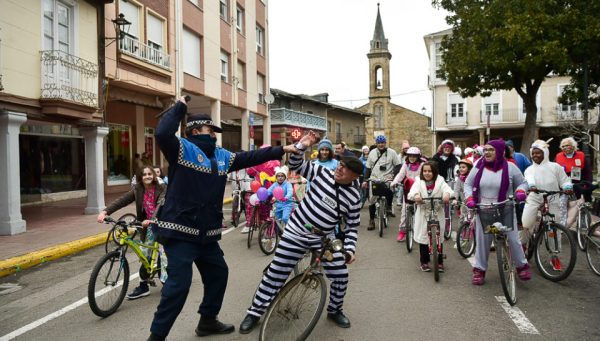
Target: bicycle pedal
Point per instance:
(151, 283)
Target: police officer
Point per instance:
(189, 224)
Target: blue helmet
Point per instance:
(380, 139)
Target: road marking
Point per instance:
(60, 312)
(517, 316)
(8, 288)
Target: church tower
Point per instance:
(379, 83)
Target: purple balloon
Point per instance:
(262, 194)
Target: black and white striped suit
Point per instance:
(318, 208)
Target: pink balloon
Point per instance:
(278, 193)
(262, 194)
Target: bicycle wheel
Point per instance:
(382, 216)
(465, 240)
(409, 231)
(435, 252)
(584, 220)
(555, 252)
(268, 238)
(448, 226)
(236, 210)
(507, 270)
(592, 252)
(253, 226)
(296, 309)
(108, 284)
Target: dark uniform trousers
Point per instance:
(213, 270)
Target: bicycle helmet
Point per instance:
(380, 139)
(413, 151)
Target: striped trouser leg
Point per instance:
(291, 248)
(337, 272)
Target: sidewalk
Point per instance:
(55, 230)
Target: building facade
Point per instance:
(475, 120)
(394, 121)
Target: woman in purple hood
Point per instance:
(494, 179)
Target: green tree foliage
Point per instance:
(504, 45)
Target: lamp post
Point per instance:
(122, 26)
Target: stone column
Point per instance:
(245, 130)
(481, 137)
(215, 114)
(94, 166)
(267, 130)
(11, 221)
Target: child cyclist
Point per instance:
(283, 208)
(428, 184)
(411, 168)
(464, 168)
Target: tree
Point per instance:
(504, 45)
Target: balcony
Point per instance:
(568, 113)
(70, 78)
(133, 47)
(287, 117)
(456, 119)
(360, 139)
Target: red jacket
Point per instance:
(578, 160)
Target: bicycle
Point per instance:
(237, 204)
(498, 219)
(270, 232)
(408, 224)
(549, 236)
(296, 309)
(584, 220)
(433, 233)
(111, 272)
(448, 208)
(592, 250)
(112, 234)
(379, 189)
(465, 236)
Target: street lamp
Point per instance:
(122, 26)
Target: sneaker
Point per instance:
(556, 264)
(425, 267)
(524, 273)
(371, 225)
(441, 267)
(138, 292)
(401, 236)
(245, 229)
(478, 277)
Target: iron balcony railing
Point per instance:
(299, 119)
(360, 139)
(129, 45)
(68, 77)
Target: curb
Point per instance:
(16, 264)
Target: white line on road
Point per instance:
(59, 312)
(517, 316)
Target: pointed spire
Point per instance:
(379, 42)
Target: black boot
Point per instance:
(209, 326)
(339, 318)
(249, 322)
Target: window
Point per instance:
(379, 78)
(260, 38)
(239, 20)
(191, 53)
(58, 26)
(119, 154)
(224, 67)
(132, 14)
(567, 108)
(328, 125)
(338, 132)
(378, 117)
(491, 106)
(438, 55)
(223, 9)
(456, 109)
(155, 32)
(241, 75)
(492, 109)
(260, 80)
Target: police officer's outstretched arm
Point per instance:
(166, 129)
(256, 157)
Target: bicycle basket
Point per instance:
(379, 188)
(503, 214)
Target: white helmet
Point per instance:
(413, 151)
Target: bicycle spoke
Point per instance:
(555, 252)
(593, 249)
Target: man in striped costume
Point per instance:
(334, 195)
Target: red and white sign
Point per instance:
(296, 134)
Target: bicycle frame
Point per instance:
(125, 241)
(433, 222)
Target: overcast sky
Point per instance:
(321, 46)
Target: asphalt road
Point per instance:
(388, 298)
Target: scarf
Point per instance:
(205, 142)
(499, 163)
(413, 167)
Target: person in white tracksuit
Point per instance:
(544, 175)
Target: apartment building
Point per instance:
(50, 122)
(502, 114)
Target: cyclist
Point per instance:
(380, 167)
(428, 184)
(577, 167)
(148, 194)
(447, 167)
(493, 179)
(363, 158)
(240, 180)
(326, 155)
(464, 168)
(283, 208)
(545, 175)
(334, 196)
(521, 160)
(410, 171)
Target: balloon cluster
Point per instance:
(260, 193)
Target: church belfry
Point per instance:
(379, 63)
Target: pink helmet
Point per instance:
(413, 151)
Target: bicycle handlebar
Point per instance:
(509, 199)
(122, 223)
